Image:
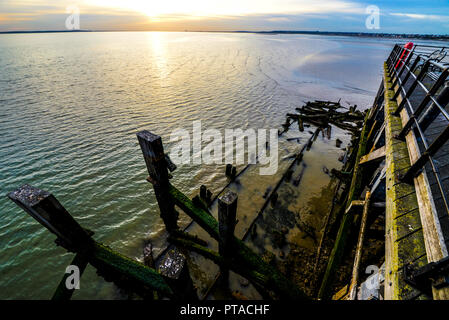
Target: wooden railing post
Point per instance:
(47, 210)
(227, 212)
(153, 153)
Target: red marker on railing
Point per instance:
(405, 52)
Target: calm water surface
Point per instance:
(70, 105)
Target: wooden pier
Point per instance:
(412, 133)
(395, 173)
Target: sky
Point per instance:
(395, 16)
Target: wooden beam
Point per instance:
(404, 242)
(255, 277)
(355, 204)
(373, 155)
(242, 254)
(47, 210)
(358, 251)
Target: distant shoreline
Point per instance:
(323, 33)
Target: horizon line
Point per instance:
(233, 31)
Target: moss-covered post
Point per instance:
(153, 153)
(227, 211)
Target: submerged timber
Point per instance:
(389, 211)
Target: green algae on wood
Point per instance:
(404, 241)
(242, 254)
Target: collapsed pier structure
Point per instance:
(395, 176)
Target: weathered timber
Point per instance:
(255, 277)
(155, 160)
(432, 232)
(373, 155)
(358, 251)
(354, 204)
(174, 268)
(242, 254)
(112, 264)
(404, 242)
(343, 176)
(188, 236)
(47, 210)
(227, 212)
(348, 219)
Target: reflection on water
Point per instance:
(70, 105)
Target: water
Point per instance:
(70, 105)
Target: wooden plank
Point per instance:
(400, 199)
(359, 248)
(355, 204)
(341, 294)
(373, 155)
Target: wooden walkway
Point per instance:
(420, 232)
(404, 240)
(441, 158)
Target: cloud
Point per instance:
(421, 16)
(230, 7)
(278, 19)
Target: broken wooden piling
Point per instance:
(155, 160)
(227, 212)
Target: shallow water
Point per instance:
(70, 105)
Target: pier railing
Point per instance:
(421, 79)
